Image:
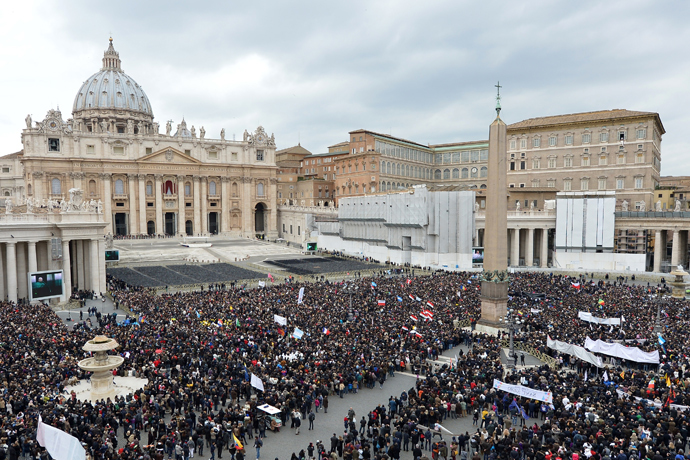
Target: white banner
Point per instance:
(60, 445)
(301, 295)
(585, 316)
(527, 392)
(621, 393)
(280, 320)
(262, 283)
(534, 310)
(257, 383)
(623, 352)
(574, 350)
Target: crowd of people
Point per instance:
(199, 350)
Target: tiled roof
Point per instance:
(600, 115)
(13, 155)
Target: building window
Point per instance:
(551, 183)
(53, 145)
(569, 139)
(536, 163)
(260, 189)
(456, 173)
(523, 143)
(603, 160)
(523, 164)
(603, 137)
(586, 138)
(119, 187)
(512, 166)
(568, 162)
(187, 189)
(465, 173)
(513, 144)
(639, 158)
(90, 149)
(584, 183)
(552, 141)
(552, 162)
(585, 160)
(536, 142)
(437, 174)
(233, 156)
(149, 188)
(118, 150)
(212, 155)
(621, 159)
(259, 155)
(474, 172)
(639, 181)
(535, 182)
(484, 171)
(55, 186)
(212, 188)
(5, 169)
(602, 183)
(149, 150)
(620, 183)
(621, 136)
(567, 185)
(641, 133)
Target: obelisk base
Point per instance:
(494, 306)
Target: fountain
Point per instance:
(678, 284)
(102, 365)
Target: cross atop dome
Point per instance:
(111, 58)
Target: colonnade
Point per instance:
(82, 262)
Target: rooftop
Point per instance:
(10, 156)
(584, 117)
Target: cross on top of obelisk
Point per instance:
(498, 98)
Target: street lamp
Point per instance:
(657, 324)
(513, 324)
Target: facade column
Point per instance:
(80, 264)
(38, 192)
(197, 205)
(11, 268)
(247, 209)
(143, 228)
(272, 229)
(133, 224)
(544, 255)
(657, 251)
(22, 268)
(159, 204)
(204, 203)
(180, 206)
(529, 249)
(101, 265)
(515, 248)
(225, 206)
(3, 291)
(66, 269)
(675, 251)
(33, 261)
(93, 265)
(107, 201)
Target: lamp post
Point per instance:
(657, 324)
(513, 324)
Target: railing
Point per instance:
(550, 361)
(523, 214)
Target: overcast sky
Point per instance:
(312, 71)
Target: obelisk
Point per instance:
(494, 291)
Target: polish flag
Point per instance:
(575, 285)
(413, 317)
(381, 302)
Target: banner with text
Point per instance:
(527, 392)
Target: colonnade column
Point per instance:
(225, 206)
(657, 251)
(204, 201)
(247, 210)
(515, 248)
(11, 268)
(107, 202)
(93, 265)
(180, 205)
(66, 269)
(529, 250)
(159, 204)
(133, 224)
(544, 255)
(143, 228)
(80, 264)
(33, 261)
(2, 275)
(675, 251)
(273, 200)
(197, 205)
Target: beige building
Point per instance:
(607, 150)
(180, 182)
(12, 178)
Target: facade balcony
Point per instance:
(120, 197)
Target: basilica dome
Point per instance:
(110, 93)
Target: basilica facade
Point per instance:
(178, 182)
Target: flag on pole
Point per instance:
(417, 299)
(257, 383)
(326, 331)
(270, 277)
(430, 304)
(238, 444)
(298, 333)
(411, 297)
(399, 299)
(606, 376)
(373, 285)
(575, 284)
(381, 302)
(405, 328)
(409, 281)
(58, 443)
(301, 295)
(413, 317)
(237, 322)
